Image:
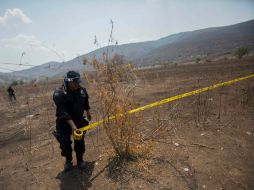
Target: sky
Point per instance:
(35, 32)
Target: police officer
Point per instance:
(71, 102)
(11, 93)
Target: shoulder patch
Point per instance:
(82, 93)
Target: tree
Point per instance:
(14, 83)
(198, 60)
(241, 52)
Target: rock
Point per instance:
(30, 116)
(176, 144)
(235, 172)
(248, 133)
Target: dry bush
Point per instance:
(248, 95)
(114, 82)
(202, 109)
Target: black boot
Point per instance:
(68, 164)
(80, 161)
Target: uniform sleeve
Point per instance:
(61, 107)
(87, 106)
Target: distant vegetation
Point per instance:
(241, 52)
(14, 83)
(198, 60)
(17, 82)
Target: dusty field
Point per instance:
(204, 142)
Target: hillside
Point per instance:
(177, 47)
(202, 43)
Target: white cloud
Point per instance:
(14, 15)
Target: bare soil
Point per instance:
(204, 141)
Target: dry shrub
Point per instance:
(248, 95)
(114, 82)
(202, 109)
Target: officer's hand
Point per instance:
(73, 128)
(89, 117)
(72, 124)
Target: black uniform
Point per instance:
(70, 105)
(11, 93)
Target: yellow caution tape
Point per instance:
(78, 134)
(170, 99)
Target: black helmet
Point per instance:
(72, 76)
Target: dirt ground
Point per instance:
(205, 141)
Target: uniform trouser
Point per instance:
(12, 96)
(66, 148)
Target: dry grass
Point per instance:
(115, 82)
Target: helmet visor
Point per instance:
(76, 80)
